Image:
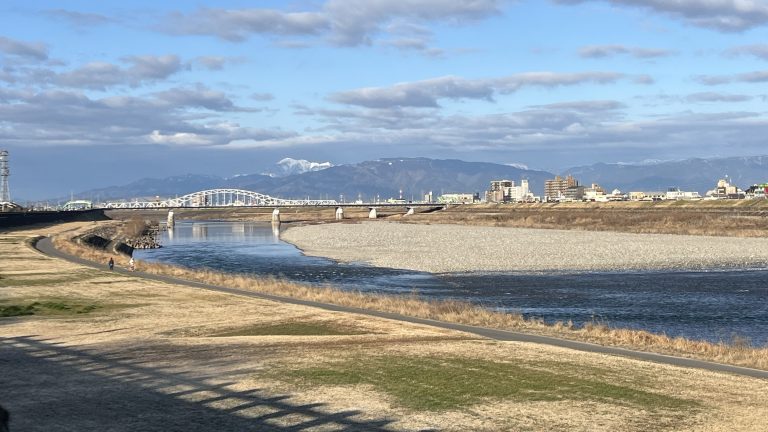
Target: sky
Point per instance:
(94, 94)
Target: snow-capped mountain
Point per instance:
(290, 166)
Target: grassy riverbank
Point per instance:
(739, 352)
(187, 358)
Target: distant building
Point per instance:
(573, 193)
(648, 196)
(616, 195)
(725, 190)
(758, 191)
(595, 193)
(502, 191)
(676, 194)
(554, 190)
(457, 198)
(499, 191)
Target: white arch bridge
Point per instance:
(220, 198)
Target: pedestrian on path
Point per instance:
(132, 264)
(111, 264)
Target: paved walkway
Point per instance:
(46, 246)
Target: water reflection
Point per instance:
(199, 231)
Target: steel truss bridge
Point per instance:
(220, 198)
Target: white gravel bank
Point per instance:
(457, 248)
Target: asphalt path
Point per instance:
(45, 245)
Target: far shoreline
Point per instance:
(455, 249)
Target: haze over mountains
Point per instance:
(385, 178)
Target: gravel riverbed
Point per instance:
(460, 248)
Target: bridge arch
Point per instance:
(221, 198)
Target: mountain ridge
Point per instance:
(387, 177)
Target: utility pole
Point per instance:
(5, 192)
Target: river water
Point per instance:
(711, 305)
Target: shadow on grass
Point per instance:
(48, 386)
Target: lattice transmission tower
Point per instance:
(5, 192)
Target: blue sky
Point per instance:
(101, 93)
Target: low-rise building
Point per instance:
(725, 190)
(456, 198)
(677, 194)
(647, 196)
(758, 191)
(595, 193)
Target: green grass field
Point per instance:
(431, 384)
(47, 308)
(292, 329)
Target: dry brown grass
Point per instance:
(737, 353)
(734, 218)
(134, 227)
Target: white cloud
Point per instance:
(601, 51)
(30, 50)
(179, 138)
(427, 93)
(340, 22)
(721, 15)
(101, 75)
(747, 77)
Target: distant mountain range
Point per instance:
(698, 175)
(415, 177)
(385, 178)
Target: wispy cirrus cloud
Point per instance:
(756, 50)
(747, 77)
(720, 15)
(584, 106)
(603, 51)
(30, 50)
(717, 97)
(216, 63)
(79, 19)
(427, 93)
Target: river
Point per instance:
(710, 305)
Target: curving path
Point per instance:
(45, 246)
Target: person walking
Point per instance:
(111, 264)
(132, 264)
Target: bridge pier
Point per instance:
(339, 213)
(171, 221)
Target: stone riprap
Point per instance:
(459, 248)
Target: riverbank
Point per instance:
(447, 248)
(188, 358)
(736, 352)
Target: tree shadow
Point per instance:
(49, 386)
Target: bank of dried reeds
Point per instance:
(699, 218)
(737, 352)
